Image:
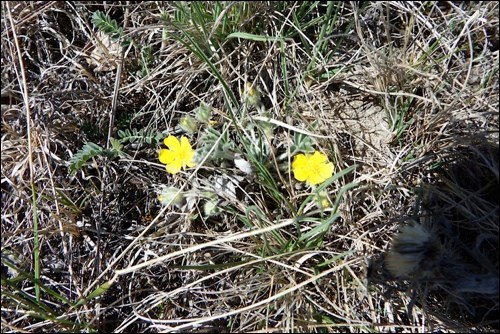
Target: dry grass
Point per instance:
(402, 97)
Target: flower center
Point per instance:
(315, 170)
(182, 155)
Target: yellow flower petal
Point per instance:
(174, 167)
(315, 179)
(320, 172)
(300, 168)
(187, 153)
(185, 145)
(172, 143)
(326, 170)
(318, 158)
(166, 156)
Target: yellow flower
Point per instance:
(179, 154)
(312, 168)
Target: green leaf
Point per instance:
(116, 145)
(327, 183)
(315, 235)
(107, 25)
(99, 291)
(135, 136)
(88, 151)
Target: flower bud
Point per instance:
(251, 94)
(171, 195)
(203, 113)
(188, 124)
(322, 200)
